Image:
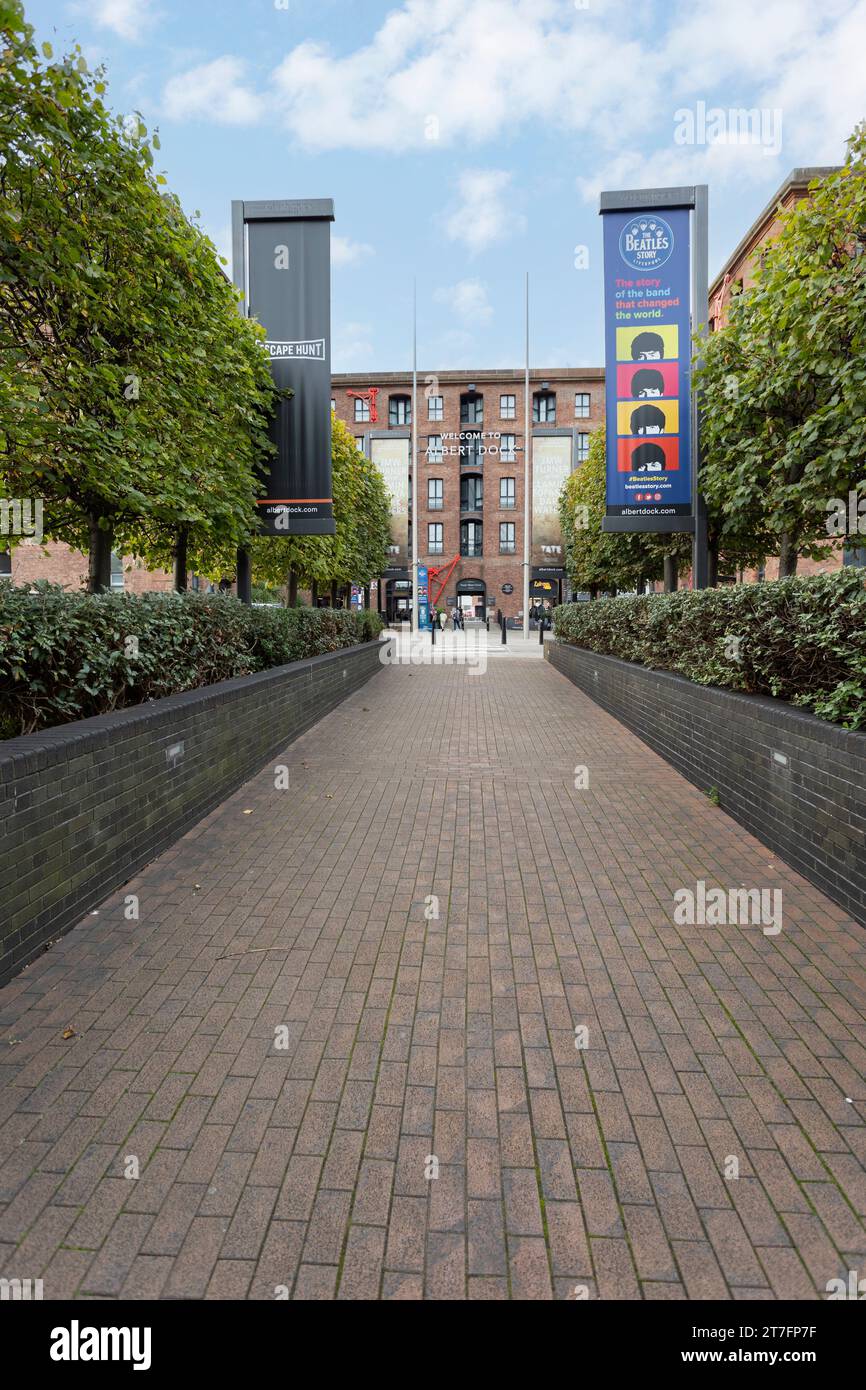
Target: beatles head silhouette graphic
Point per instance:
(648, 419)
(647, 383)
(648, 347)
(648, 458)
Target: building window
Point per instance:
(581, 405)
(508, 407)
(5, 562)
(434, 448)
(582, 448)
(471, 409)
(435, 538)
(435, 496)
(507, 493)
(854, 555)
(471, 493)
(508, 448)
(544, 408)
(470, 452)
(399, 410)
(435, 407)
(362, 411)
(506, 538)
(471, 538)
(359, 440)
(333, 406)
(116, 570)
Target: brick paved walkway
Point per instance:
(304, 1167)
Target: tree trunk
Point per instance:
(292, 589)
(367, 597)
(593, 591)
(671, 574)
(314, 594)
(712, 565)
(334, 594)
(244, 576)
(788, 556)
(99, 564)
(181, 545)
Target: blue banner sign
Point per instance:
(423, 599)
(647, 287)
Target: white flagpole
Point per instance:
(415, 601)
(527, 448)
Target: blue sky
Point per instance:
(466, 141)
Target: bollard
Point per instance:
(433, 630)
(541, 632)
(504, 631)
(488, 622)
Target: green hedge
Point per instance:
(69, 656)
(801, 640)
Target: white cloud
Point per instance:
(215, 92)
(612, 73)
(344, 251)
(440, 74)
(352, 347)
(467, 299)
(127, 18)
(486, 212)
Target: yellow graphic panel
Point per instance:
(647, 417)
(648, 344)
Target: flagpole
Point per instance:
(415, 597)
(527, 447)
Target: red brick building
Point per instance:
(471, 452)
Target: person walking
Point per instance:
(442, 619)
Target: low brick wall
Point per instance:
(794, 781)
(85, 805)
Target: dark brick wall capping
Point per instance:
(84, 806)
(794, 781)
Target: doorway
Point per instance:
(472, 599)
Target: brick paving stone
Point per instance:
(362, 1266)
(108, 1271)
(301, 1174)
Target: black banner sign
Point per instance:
(282, 262)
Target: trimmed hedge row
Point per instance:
(800, 640)
(70, 656)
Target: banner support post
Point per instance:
(700, 312)
(527, 501)
(245, 576)
(416, 605)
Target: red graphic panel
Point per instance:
(648, 456)
(647, 383)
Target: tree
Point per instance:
(784, 382)
(601, 561)
(133, 395)
(362, 513)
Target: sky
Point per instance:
(465, 142)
